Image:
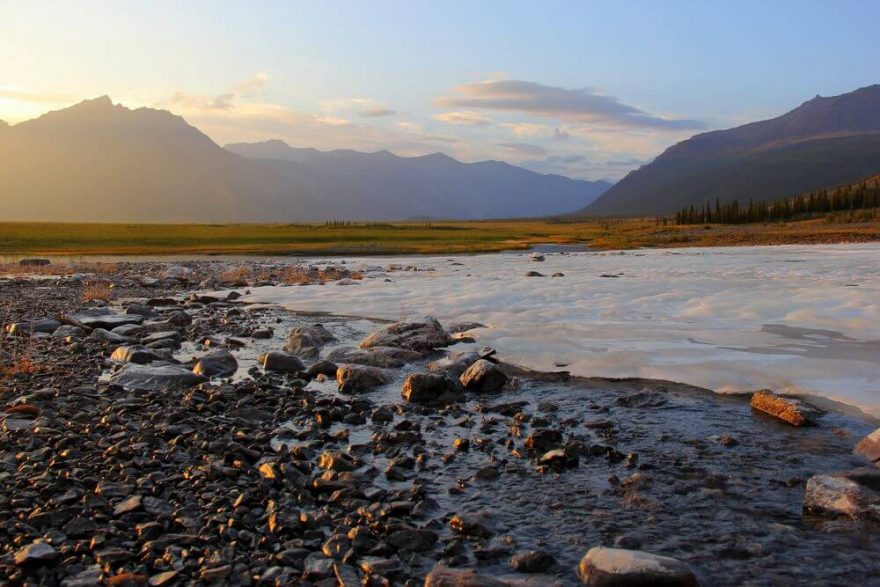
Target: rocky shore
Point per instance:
(157, 429)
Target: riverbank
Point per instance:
(192, 454)
(398, 238)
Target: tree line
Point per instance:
(865, 194)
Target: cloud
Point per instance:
(566, 159)
(202, 102)
(376, 112)
(523, 149)
(581, 105)
(560, 135)
(463, 118)
(252, 85)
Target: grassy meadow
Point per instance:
(406, 237)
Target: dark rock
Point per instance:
(353, 378)
(136, 354)
(36, 553)
(425, 388)
(281, 362)
(534, 561)
(217, 363)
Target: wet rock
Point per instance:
(855, 494)
(483, 376)
(413, 539)
(534, 561)
(534, 274)
(35, 554)
(457, 327)
(307, 341)
(336, 461)
(787, 409)
(448, 577)
(136, 354)
(422, 336)
(471, 525)
(154, 377)
(325, 368)
(218, 363)
(457, 362)
(91, 577)
(281, 362)
(611, 567)
(385, 357)
(353, 378)
(543, 441)
(425, 388)
(869, 446)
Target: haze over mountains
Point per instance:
(97, 161)
(822, 143)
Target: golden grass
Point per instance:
(402, 238)
(98, 290)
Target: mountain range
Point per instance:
(822, 143)
(99, 161)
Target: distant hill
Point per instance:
(822, 143)
(97, 161)
(377, 186)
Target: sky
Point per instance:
(586, 89)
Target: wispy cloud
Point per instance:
(463, 118)
(523, 149)
(582, 105)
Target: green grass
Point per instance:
(401, 238)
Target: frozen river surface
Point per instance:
(802, 319)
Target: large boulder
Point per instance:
(422, 336)
(155, 378)
(483, 376)
(219, 363)
(617, 567)
(352, 378)
(787, 409)
(382, 356)
(429, 388)
(281, 362)
(869, 447)
(854, 494)
(307, 341)
(104, 318)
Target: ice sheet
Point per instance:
(790, 318)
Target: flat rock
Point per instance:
(104, 318)
(447, 577)
(36, 553)
(351, 378)
(787, 409)
(30, 327)
(155, 378)
(612, 567)
(422, 336)
(483, 376)
(383, 356)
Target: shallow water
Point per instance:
(797, 319)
